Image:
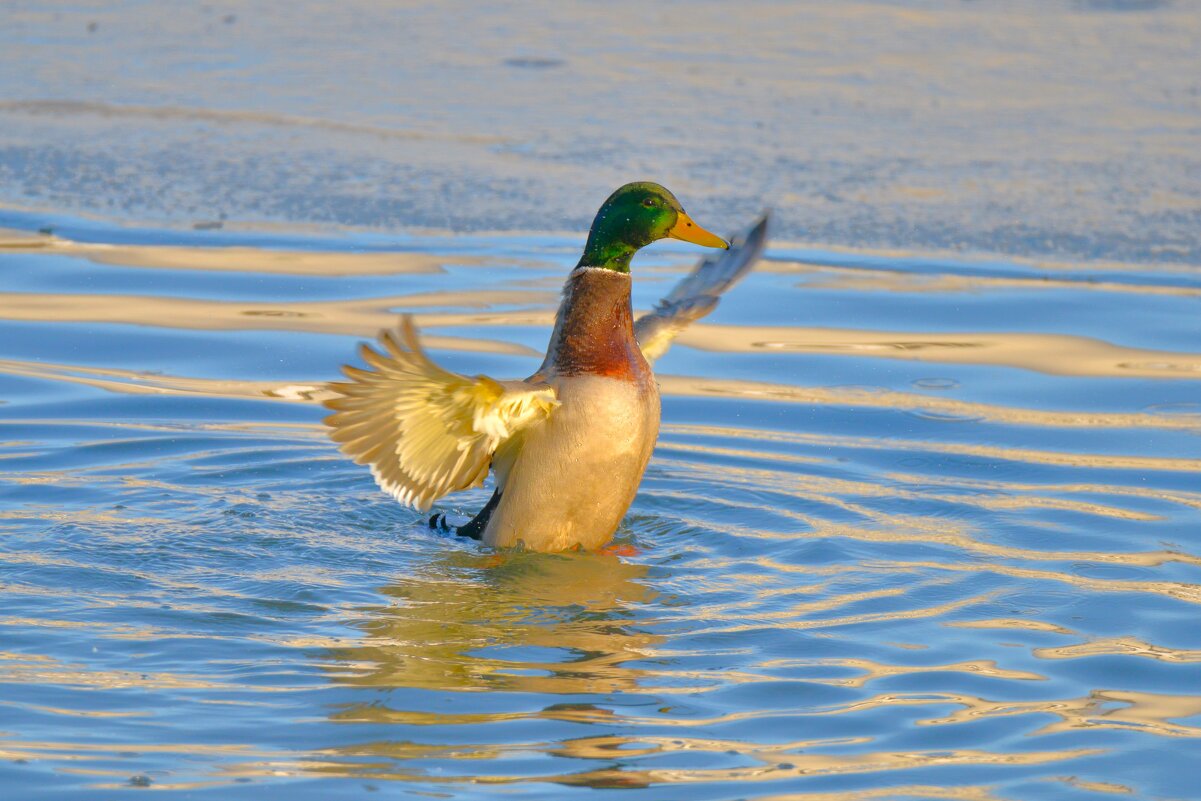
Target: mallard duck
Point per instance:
(568, 445)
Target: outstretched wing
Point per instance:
(697, 295)
(426, 431)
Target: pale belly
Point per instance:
(576, 475)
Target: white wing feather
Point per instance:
(426, 431)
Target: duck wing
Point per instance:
(697, 294)
(424, 430)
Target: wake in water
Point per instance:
(872, 563)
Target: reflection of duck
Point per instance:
(515, 621)
(570, 443)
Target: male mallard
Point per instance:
(570, 443)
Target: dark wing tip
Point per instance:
(755, 237)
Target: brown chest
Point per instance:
(594, 333)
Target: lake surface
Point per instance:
(915, 528)
(1068, 129)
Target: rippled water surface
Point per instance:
(914, 528)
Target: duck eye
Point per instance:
(650, 201)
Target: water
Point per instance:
(1064, 128)
(915, 528)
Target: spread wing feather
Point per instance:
(697, 294)
(424, 430)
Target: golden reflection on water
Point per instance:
(451, 627)
(959, 793)
(862, 279)
(912, 528)
(696, 386)
(1009, 623)
(1044, 352)
(823, 442)
(260, 260)
(776, 762)
(37, 670)
(1120, 646)
(1178, 590)
(142, 382)
(358, 317)
(386, 761)
(577, 624)
(475, 622)
(873, 671)
(1055, 354)
(1096, 787)
(1102, 709)
(850, 495)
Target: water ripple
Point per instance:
(850, 580)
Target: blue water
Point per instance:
(886, 548)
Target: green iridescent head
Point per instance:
(633, 217)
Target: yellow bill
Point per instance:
(688, 231)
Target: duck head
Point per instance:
(633, 217)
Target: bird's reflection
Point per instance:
(515, 621)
